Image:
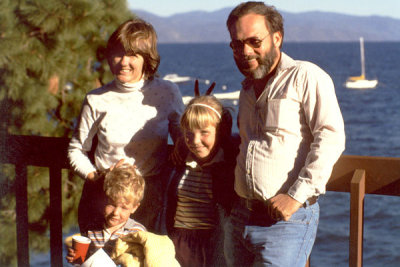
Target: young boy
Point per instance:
(123, 191)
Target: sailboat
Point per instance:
(359, 82)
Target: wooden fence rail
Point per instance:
(358, 175)
(51, 152)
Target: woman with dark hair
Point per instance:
(130, 118)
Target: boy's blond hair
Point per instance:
(124, 182)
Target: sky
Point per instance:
(164, 8)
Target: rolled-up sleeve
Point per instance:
(325, 121)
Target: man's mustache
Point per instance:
(244, 59)
(250, 57)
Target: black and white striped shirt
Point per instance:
(196, 208)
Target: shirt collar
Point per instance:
(130, 87)
(117, 229)
(122, 227)
(219, 156)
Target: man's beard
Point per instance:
(264, 65)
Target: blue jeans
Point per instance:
(252, 238)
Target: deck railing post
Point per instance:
(21, 195)
(56, 216)
(357, 194)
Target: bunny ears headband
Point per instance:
(208, 92)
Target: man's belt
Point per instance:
(254, 204)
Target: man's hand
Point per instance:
(282, 207)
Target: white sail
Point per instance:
(359, 82)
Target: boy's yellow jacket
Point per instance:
(144, 249)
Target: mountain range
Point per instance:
(210, 27)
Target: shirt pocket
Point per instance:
(282, 115)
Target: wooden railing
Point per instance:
(358, 175)
(51, 152)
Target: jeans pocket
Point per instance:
(301, 216)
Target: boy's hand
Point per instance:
(71, 255)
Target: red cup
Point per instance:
(81, 245)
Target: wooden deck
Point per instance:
(357, 175)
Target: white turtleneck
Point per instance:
(131, 122)
(129, 87)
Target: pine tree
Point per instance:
(51, 55)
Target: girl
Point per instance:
(203, 184)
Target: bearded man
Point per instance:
(292, 133)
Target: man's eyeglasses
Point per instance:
(254, 42)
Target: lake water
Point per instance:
(372, 121)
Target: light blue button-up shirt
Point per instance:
(292, 135)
